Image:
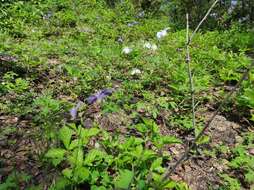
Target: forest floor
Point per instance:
(125, 77)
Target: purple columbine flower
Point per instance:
(99, 96)
(74, 110)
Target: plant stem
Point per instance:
(201, 22)
(188, 60)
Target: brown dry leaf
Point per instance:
(176, 178)
(8, 119)
(54, 61)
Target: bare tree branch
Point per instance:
(201, 22)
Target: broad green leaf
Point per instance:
(249, 176)
(74, 144)
(249, 96)
(79, 154)
(81, 174)
(55, 153)
(141, 127)
(156, 177)
(124, 179)
(92, 132)
(67, 172)
(148, 154)
(141, 185)
(60, 184)
(56, 161)
(170, 140)
(94, 176)
(94, 155)
(87, 133)
(65, 134)
(156, 164)
(137, 152)
(252, 117)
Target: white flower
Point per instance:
(147, 45)
(97, 145)
(126, 50)
(154, 47)
(162, 33)
(135, 71)
(150, 46)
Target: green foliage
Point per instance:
(68, 50)
(13, 180)
(12, 84)
(47, 104)
(129, 160)
(242, 161)
(124, 179)
(223, 15)
(230, 183)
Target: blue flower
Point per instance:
(74, 110)
(99, 96)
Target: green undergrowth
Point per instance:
(63, 51)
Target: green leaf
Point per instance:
(148, 154)
(141, 185)
(124, 179)
(203, 140)
(65, 134)
(81, 174)
(249, 176)
(79, 155)
(61, 183)
(94, 187)
(92, 132)
(170, 140)
(176, 185)
(67, 172)
(55, 153)
(141, 127)
(74, 144)
(137, 152)
(156, 164)
(230, 182)
(94, 155)
(87, 133)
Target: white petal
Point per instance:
(147, 45)
(126, 50)
(154, 47)
(162, 33)
(135, 71)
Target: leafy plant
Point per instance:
(13, 181)
(122, 164)
(12, 84)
